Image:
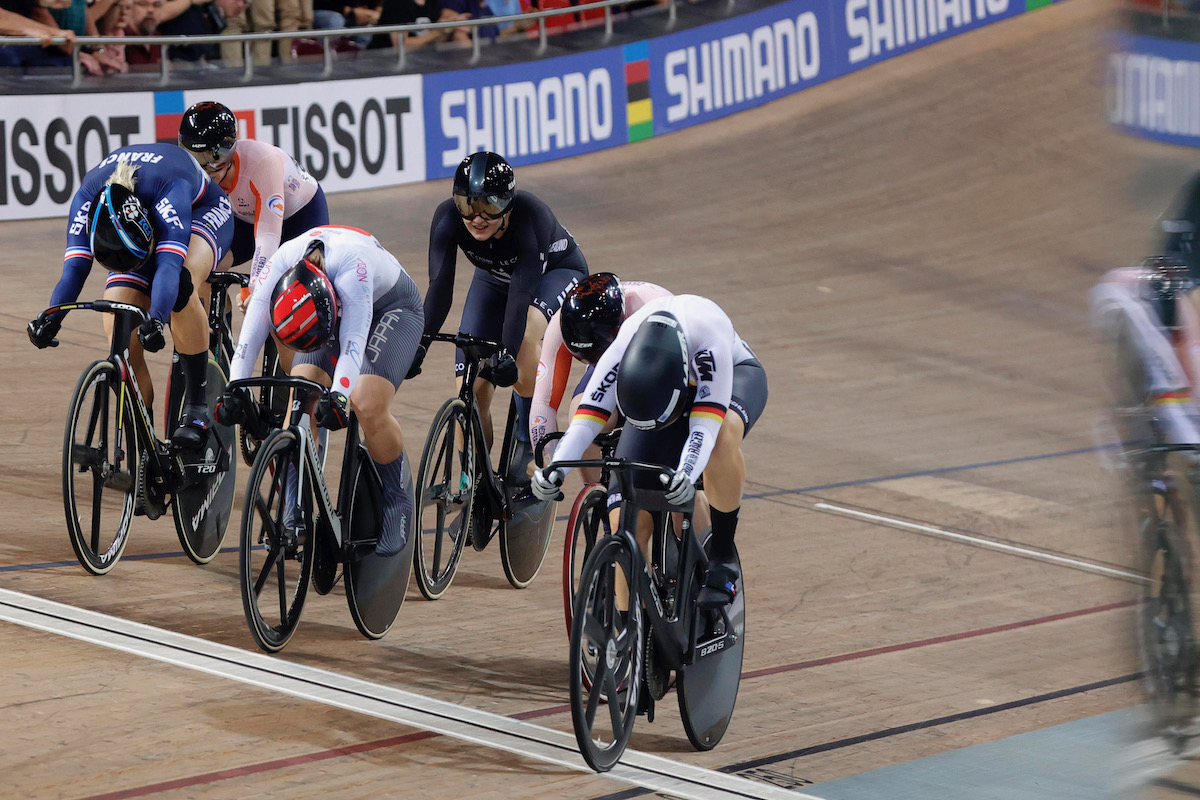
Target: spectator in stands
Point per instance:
(334, 14)
(473, 9)
(75, 17)
(142, 21)
(196, 18)
(406, 12)
(263, 16)
(507, 8)
(24, 18)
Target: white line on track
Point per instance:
(1074, 563)
(374, 699)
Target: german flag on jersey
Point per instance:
(1180, 396)
(586, 413)
(713, 411)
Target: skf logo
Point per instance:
(80, 222)
(275, 203)
(167, 212)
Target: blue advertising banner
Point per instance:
(1154, 88)
(539, 111)
(754, 58)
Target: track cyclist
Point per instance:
(1143, 313)
(525, 262)
(273, 198)
(583, 328)
(337, 297)
(155, 220)
(674, 370)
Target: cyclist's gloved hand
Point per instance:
(42, 332)
(680, 488)
(414, 369)
(150, 334)
(504, 369)
(333, 411)
(547, 482)
(233, 407)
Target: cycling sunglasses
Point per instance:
(489, 207)
(214, 158)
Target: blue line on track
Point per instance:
(757, 496)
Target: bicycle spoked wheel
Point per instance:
(276, 551)
(607, 644)
(708, 687)
(587, 523)
(447, 493)
(1166, 640)
(100, 468)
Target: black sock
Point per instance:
(195, 377)
(724, 527)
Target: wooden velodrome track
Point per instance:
(908, 250)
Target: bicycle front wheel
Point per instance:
(587, 523)
(276, 550)
(100, 468)
(446, 484)
(1166, 638)
(607, 645)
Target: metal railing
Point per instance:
(327, 35)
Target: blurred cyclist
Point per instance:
(583, 328)
(674, 370)
(1143, 314)
(354, 316)
(151, 217)
(525, 263)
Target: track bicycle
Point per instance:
(1165, 504)
(115, 467)
(293, 534)
(463, 498)
(634, 622)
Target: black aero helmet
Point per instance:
(652, 382)
(304, 306)
(119, 230)
(591, 315)
(1163, 279)
(209, 132)
(484, 184)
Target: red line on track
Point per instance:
(338, 752)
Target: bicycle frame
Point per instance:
(672, 628)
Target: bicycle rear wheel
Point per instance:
(446, 483)
(708, 687)
(525, 538)
(375, 585)
(587, 523)
(607, 644)
(100, 468)
(203, 507)
(275, 558)
(1166, 638)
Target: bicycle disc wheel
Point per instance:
(1166, 641)
(375, 585)
(275, 556)
(443, 508)
(202, 508)
(525, 538)
(100, 468)
(708, 687)
(587, 523)
(608, 645)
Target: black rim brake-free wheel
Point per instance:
(202, 509)
(708, 687)
(443, 506)
(607, 644)
(100, 464)
(525, 538)
(1165, 635)
(375, 585)
(587, 522)
(275, 554)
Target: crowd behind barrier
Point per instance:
(1171, 19)
(111, 37)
